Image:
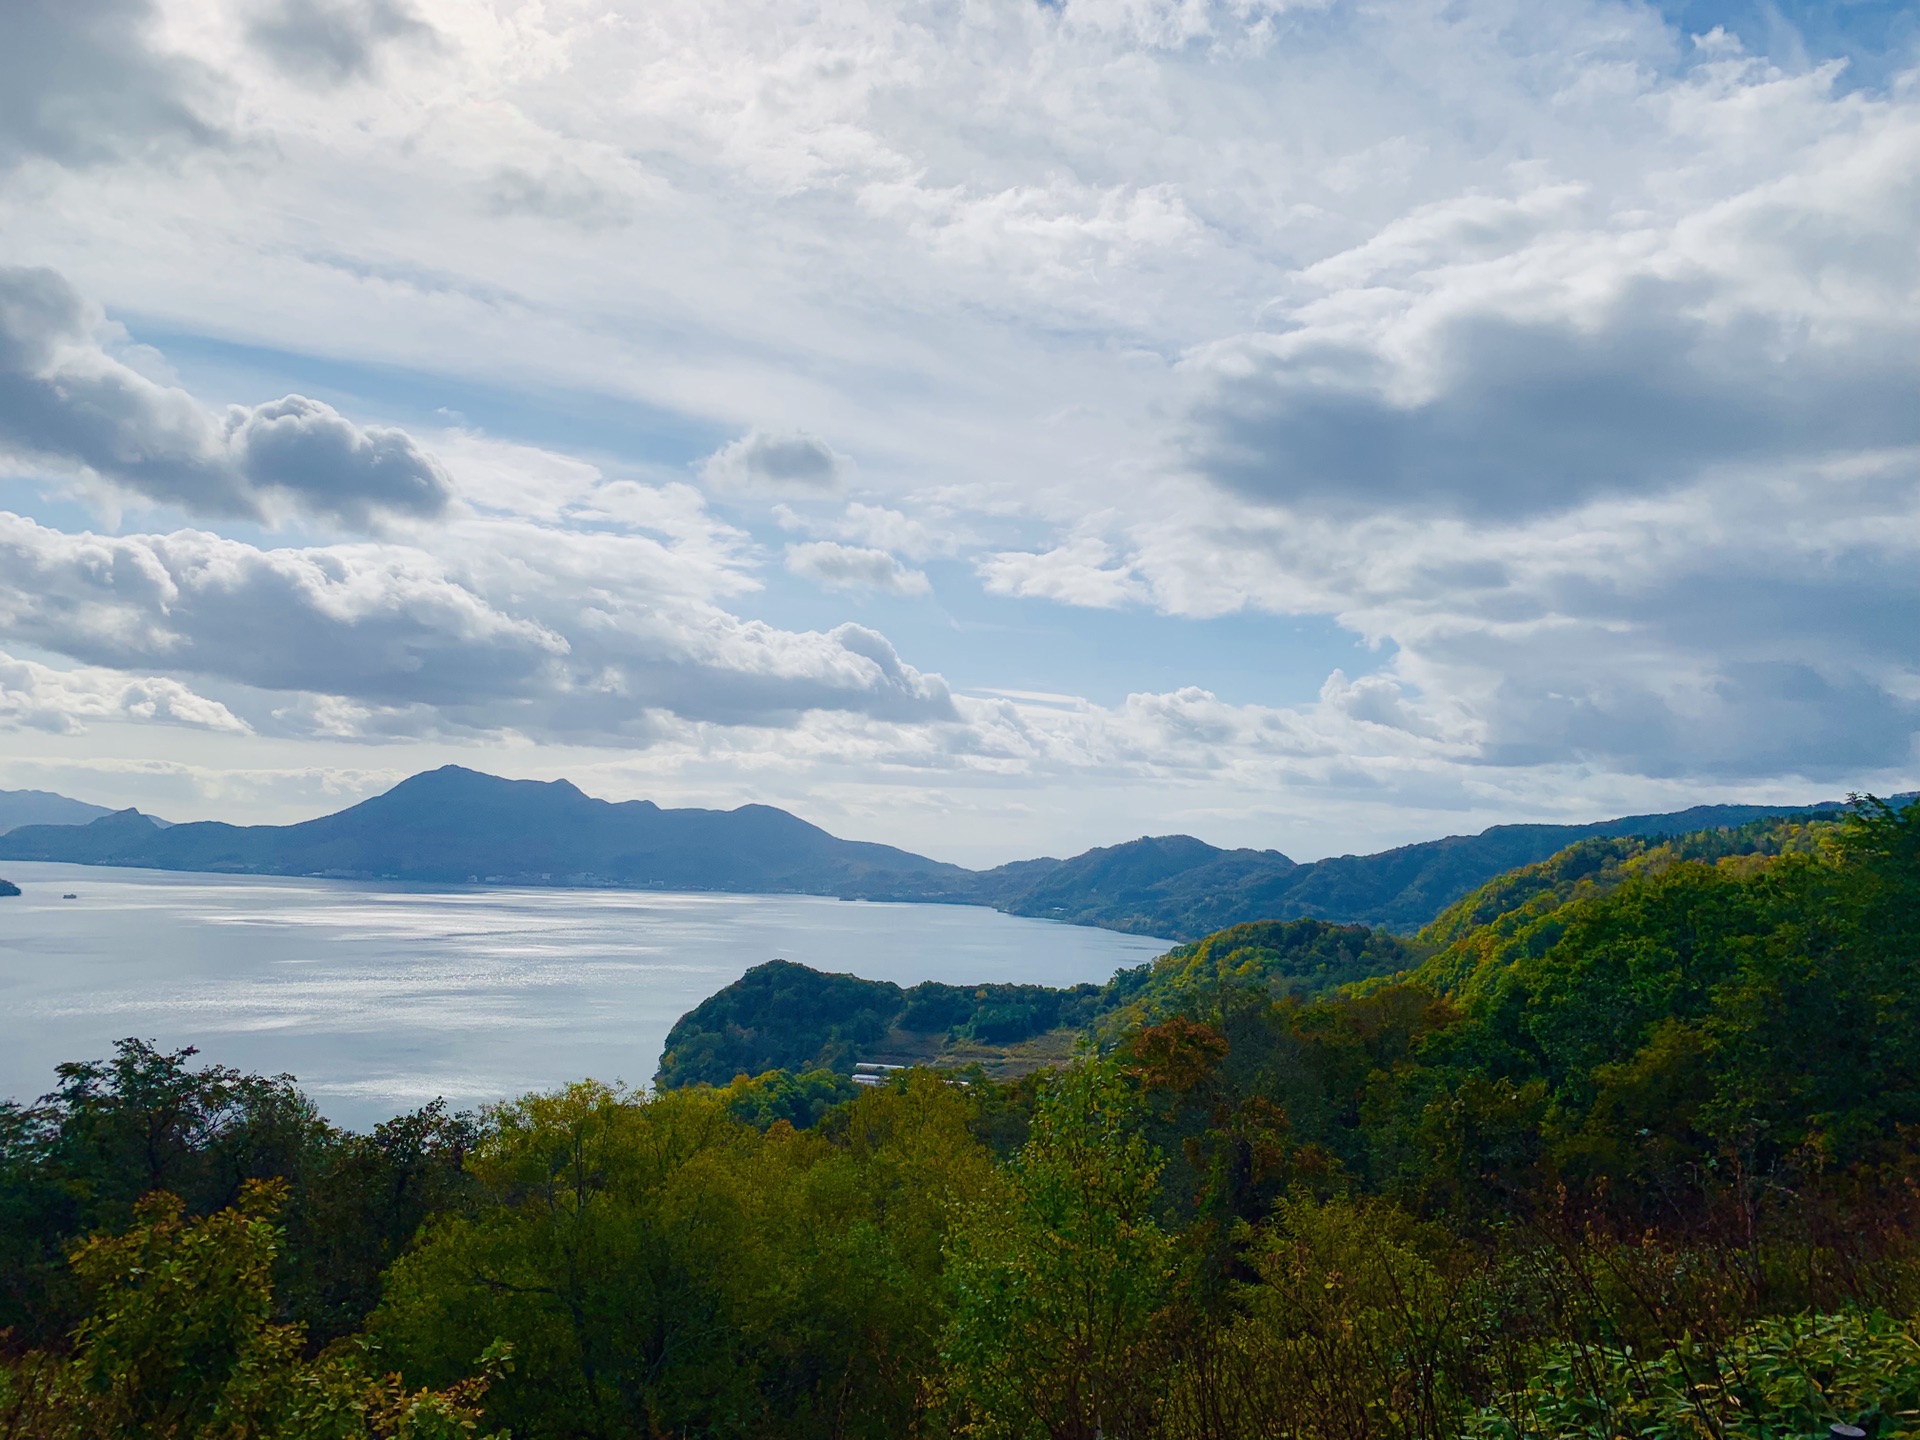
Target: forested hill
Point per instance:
(1180, 888)
(782, 1016)
(455, 825)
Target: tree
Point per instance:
(1062, 1280)
(179, 1344)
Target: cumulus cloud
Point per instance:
(39, 697)
(790, 461)
(1080, 572)
(478, 637)
(1373, 700)
(386, 623)
(854, 567)
(1566, 362)
(65, 401)
(332, 41)
(1746, 626)
(82, 84)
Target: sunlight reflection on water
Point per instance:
(382, 996)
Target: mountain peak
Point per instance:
(460, 780)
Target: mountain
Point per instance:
(454, 825)
(43, 807)
(1181, 888)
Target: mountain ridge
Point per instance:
(454, 825)
(44, 807)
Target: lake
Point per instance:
(380, 997)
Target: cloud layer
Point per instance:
(82, 83)
(331, 41)
(478, 638)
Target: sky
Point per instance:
(995, 427)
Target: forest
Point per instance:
(1621, 1144)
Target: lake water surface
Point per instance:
(380, 997)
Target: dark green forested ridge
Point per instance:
(783, 1016)
(1627, 1148)
(1178, 887)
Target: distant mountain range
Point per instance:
(454, 825)
(43, 807)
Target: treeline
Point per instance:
(1630, 1152)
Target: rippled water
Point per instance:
(382, 996)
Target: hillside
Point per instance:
(456, 825)
(783, 1016)
(1523, 913)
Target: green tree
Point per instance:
(1360, 1324)
(180, 1344)
(1062, 1280)
(663, 1267)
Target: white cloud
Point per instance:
(1503, 359)
(883, 528)
(1079, 572)
(518, 628)
(1043, 234)
(1748, 625)
(854, 567)
(41, 697)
